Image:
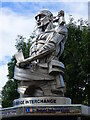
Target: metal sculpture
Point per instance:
(42, 73)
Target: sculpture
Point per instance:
(42, 73)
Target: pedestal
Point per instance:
(61, 112)
(45, 108)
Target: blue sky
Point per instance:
(18, 18)
(32, 7)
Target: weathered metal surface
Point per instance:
(43, 63)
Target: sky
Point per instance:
(17, 18)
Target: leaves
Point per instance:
(76, 59)
(21, 45)
(9, 93)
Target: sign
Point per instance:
(37, 101)
(48, 109)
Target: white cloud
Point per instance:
(11, 25)
(77, 10)
(80, 8)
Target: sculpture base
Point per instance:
(42, 108)
(41, 101)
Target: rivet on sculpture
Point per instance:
(41, 75)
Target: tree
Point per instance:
(9, 93)
(76, 59)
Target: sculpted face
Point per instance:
(43, 18)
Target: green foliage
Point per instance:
(11, 66)
(76, 59)
(9, 93)
(23, 46)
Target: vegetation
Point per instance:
(76, 60)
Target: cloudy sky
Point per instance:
(17, 18)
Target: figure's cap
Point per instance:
(45, 13)
(44, 17)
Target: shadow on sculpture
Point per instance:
(41, 74)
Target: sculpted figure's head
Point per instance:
(43, 19)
